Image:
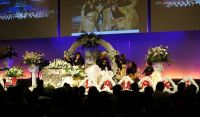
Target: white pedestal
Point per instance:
(34, 72)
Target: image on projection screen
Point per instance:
(106, 16)
(24, 9)
(24, 19)
(175, 15)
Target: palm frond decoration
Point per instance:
(89, 40)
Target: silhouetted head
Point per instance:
(193, 88)
(190, 92)
(81, 90)
(1, 87)
(40, 83)
(135, 87)
(160, 86)
(93, 91)
(148, 90)
(117, 89)
(66, 85)
(181, 87)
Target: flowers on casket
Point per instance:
(158, 54)
(14, 72)
(58, 64)
(7, 52)
(89, 40)
(33, 58)
(75, 71)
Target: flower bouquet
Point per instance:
(75, 71)
(158, 54)
(77, 74)
(58, 64)
(7, 52)
(32, 58)
(14, 72)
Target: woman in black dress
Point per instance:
(78, 59)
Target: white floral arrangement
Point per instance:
(32, 58)
(158, 54)
(58, 64)
(14, 72)
(75, 71)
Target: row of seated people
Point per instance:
(125, 67)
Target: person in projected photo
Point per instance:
(107, 16)
(117, 18)
(99, 5)
(127, 7)
(89, 17)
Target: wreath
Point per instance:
(144, 82)
(125, 83)
(107, 84)
(188, 81)
(170, 86)
(87, 83)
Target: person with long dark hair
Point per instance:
(78, 59)
(131, 70)
(149, 69)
